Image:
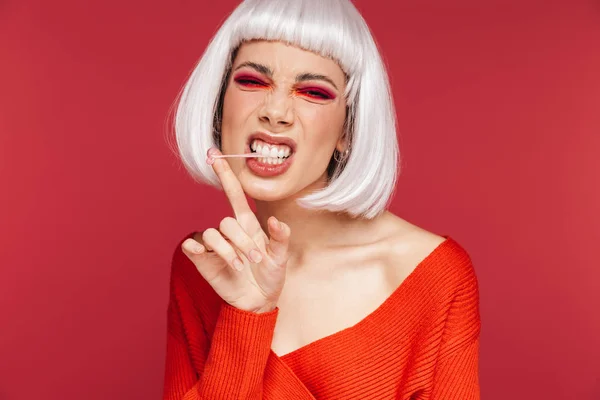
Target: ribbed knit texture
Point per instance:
(421, 343)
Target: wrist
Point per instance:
(265, 309)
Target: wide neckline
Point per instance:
(381, 309)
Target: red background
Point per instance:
(499, 115)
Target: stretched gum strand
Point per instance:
(211, 159)
(249, 155)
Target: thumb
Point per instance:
(279, 240)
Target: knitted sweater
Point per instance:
(421, 343)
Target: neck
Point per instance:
(314, 231)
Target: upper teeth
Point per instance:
(269, 150)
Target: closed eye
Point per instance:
(249, 81)
(311, 92)
(316, 93)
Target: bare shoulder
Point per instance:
(407, 243)
(401, 231)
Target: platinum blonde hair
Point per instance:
(362, 184)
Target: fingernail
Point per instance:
(255, 256)
(237, 264)
(194, 248)
(212, 151)
(210, 160)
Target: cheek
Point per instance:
(233, 124)
(323, 124)
(332, 114)
(238, 105)
(315, 116)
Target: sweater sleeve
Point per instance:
(457, 375)
(457, 371)
(229, 366)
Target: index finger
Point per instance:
(231, 185)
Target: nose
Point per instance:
(277, 109)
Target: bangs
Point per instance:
(323, 27)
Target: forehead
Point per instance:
(287, 60)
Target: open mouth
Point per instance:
(271, 154)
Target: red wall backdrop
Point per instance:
(499, 119)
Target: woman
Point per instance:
(321, 293)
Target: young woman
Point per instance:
(321, 293)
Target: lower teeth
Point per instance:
(273, 161)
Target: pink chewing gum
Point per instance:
(210, 160)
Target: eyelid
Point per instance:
(304, 87)
(323, 91)
(249, 76)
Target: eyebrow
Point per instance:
(306, 76)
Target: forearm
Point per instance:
(238, 355)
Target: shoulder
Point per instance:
(449, 265)
(447, 279)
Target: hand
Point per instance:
(257, 286)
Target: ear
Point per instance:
(342, 143)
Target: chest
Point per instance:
(343, 290)
(312, 308)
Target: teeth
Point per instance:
(269, 160)
(270, 151)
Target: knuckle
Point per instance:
(247, 219)
(250, 244)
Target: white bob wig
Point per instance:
(363, 183)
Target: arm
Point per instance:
(230, 366)
(457, 371)
(180, 375)
(457, 375)
(235, 364)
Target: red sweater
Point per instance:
(421, 343)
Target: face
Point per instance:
(283, 92)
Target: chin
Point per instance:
(265, 189)
(265, 194)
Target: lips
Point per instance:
(272, 140)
